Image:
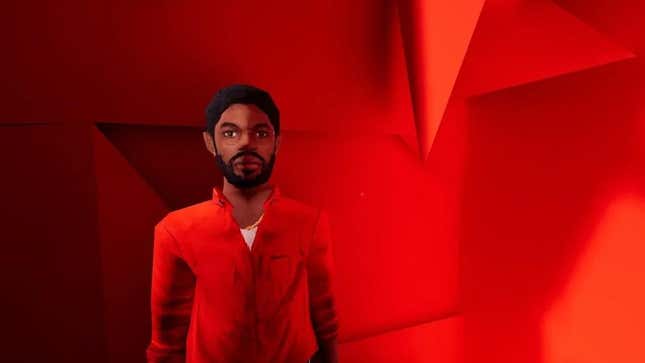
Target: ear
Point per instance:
(277, 144)
(208, 140)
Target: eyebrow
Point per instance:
(230, 124)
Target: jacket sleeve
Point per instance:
(320, 270)
(172, 292)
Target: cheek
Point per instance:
(225, 152)
(266, 152)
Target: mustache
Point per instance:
(247, 153)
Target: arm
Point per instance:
(320, 268)
(173, 285)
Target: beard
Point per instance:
(246, 181)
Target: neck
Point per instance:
(235, 194)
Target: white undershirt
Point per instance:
(249, 235)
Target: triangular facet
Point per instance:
(436, 35)
(127, 212)
(518, 42)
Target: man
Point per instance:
(247, 276)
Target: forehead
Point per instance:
(243, 115)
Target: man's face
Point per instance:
(245, 145)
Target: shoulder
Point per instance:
(298, 209)
(304, 215)
(188, 217)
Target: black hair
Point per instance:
(245, 94)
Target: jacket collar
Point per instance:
(220, 199)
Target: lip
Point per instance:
(248, 161)
(253, 164)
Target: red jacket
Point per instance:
(215, 301)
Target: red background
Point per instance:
(482, 163)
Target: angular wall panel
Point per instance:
(438, 341)
(523, 41)
(435, 35)
(393, 222)
(50, 259)
(128, 210)
(542, 160)
(173, 160)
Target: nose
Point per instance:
(246, 144)
(245, 137)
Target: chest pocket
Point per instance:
(282, 274)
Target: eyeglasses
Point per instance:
(233, 136)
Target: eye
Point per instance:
(262, 133)
(229, 133)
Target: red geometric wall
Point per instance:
(482, 163)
